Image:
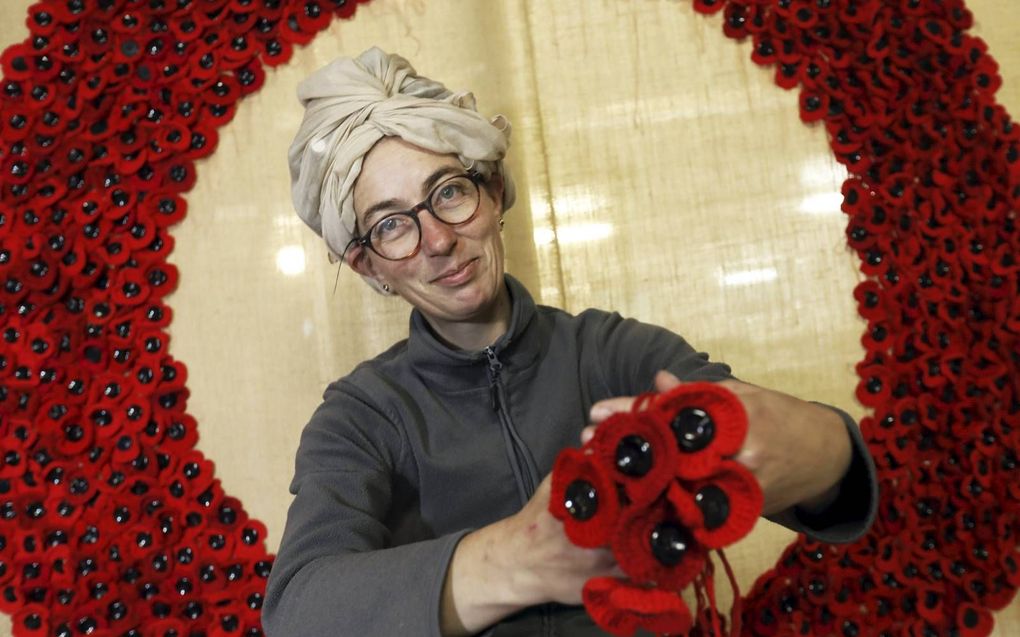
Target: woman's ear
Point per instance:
(358, 259)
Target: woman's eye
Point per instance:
(453, 191)
(390, 226)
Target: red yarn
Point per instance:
(725, 410)
(103, 111)
(745, 504)
(622, 608)
(640, 490)
(663, 527)
(581, 465)
(632, 547)
(907, 97)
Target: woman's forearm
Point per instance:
(798, 451)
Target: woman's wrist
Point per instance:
(837, 450)
(484, 583)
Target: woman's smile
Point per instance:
(458, 274)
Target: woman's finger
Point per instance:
(605, 408)
(665, 381)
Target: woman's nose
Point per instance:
(436, 236)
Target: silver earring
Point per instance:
(501, 223)
(386, 288)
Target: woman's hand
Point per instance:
(797, 450)
(520, 561)
(550, 567)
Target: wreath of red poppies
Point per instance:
(111, 523)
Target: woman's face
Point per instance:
(457, 274)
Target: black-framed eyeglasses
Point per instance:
(397, 236)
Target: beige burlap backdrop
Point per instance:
(661, 174)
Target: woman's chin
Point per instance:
(470, 304)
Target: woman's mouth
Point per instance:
(458, 275)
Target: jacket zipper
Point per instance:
(524, 467)
(495, 367)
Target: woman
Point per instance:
(421, 487)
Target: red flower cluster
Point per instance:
(657, 486)
(111, 523)
(907, 97)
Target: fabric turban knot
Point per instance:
(353, 103)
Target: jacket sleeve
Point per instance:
(336, 572)
(630, 353)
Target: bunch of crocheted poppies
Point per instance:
(659, 487)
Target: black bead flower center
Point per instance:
(670, 543)
(634, 456)
(581, 500)
(694, 429)
(714, 505)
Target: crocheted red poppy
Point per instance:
(249, 538)
(730, 503)
(709, 6)
(708, 423)
(621, 608)
(973, 621)
(638, 453)
(33, 620)
(195, 471)
(584, 498)
(180, 432)
(655, 545)
(17, 62)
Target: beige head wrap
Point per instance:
(353, 103)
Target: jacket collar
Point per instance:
(454, 369)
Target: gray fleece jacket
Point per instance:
(422, 444)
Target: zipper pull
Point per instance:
(494, 368)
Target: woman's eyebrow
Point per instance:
(382, 205)
(436, 175)
(426, 186)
